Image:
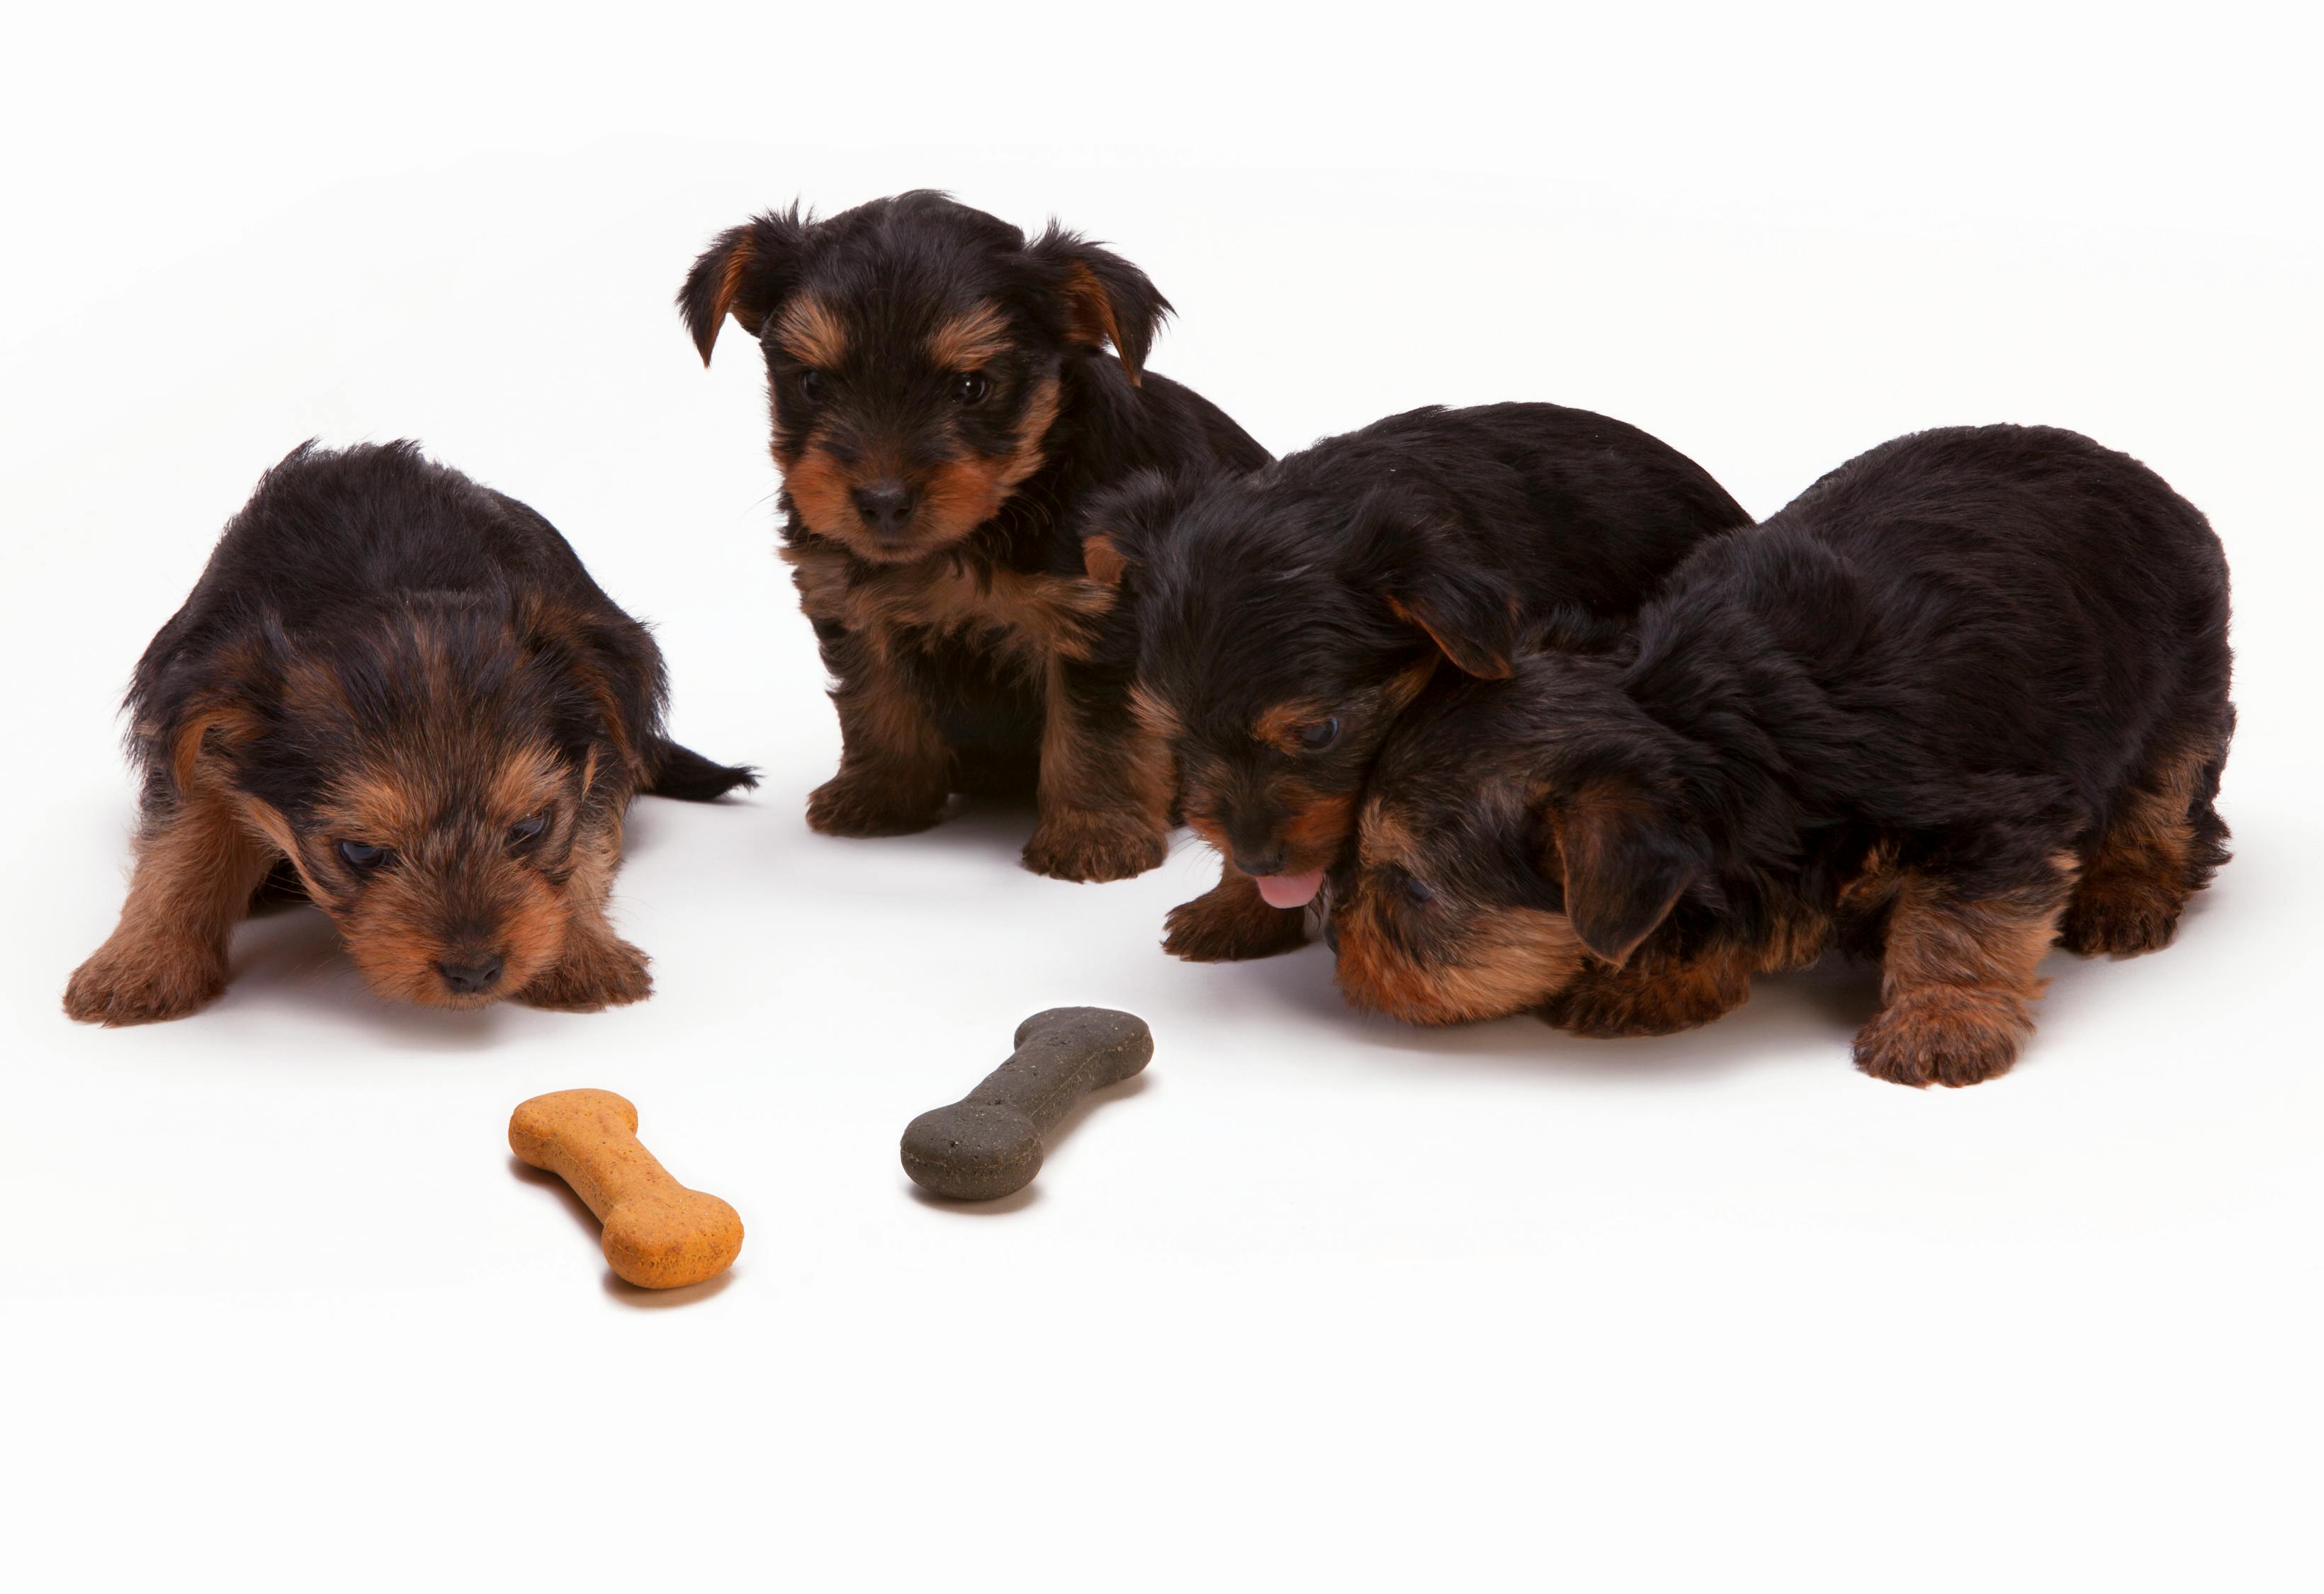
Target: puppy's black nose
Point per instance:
(1270, 861)
(885, 506)
(472, 977)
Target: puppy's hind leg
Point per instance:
(1959, 978)
(2160, 847)
(198, 865)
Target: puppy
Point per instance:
(943, 407)
(404, 687)
(1287, 617)
(1965, 697)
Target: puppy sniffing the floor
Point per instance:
(1964, 698)
(402, 686)
(943, 406)
(1289, 617)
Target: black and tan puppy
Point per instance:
(1287, 617)
(1965, 697)
(404, 686)
(942, 408)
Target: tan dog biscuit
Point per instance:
(988, 1143)
(658, 1234)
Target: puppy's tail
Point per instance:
(683, 773)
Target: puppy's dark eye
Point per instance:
(525, 830)
(363, 856)
(1315, 738)
(810, 385)
(970, 388)
(1417, 889)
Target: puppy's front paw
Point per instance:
(1229, 923)
(855, 805)
(594, 974)
(1620, 1004)
(1093, 847)
(141, 984)
(1936, 1043)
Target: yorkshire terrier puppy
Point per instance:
(1964, 698)
(400, 690)
(1287, 617)
(943, 407)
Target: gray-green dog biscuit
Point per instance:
(988, 1143)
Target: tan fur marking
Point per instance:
(1102, 561)
(955, 498)
(1231, 922)
(1091, 313)
(594, 967)
(1319, 826)
(1024, 618)
(1485, 666)
(1279, 725)
(1160, 720)
(1653, 995)
(740, 257)
(1511, 959)
(810, 333)
(1959, 981)
(2143, 870)
(197, 863)
(967, 341)
(1104, 801)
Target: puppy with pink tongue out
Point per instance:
(1287, 618)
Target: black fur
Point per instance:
(336, 554)
(400, 692)
(1317, 589)
(942, 682)
(1958, 660)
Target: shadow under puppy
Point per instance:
(404, 686)
(942, 408)
(1964, 698)
(1287, 617)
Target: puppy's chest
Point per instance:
(1018, 618)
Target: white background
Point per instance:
(1320, 1302)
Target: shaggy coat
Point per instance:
(943, 407)
(1287, 617)
(1965, 697)
(398, 691)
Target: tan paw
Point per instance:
(1230, 923)
(855, 805)
(139, 984)
(1937, 1043)
(2124, 919)
(1628, 1004)
(1093, 847)
(594, 975)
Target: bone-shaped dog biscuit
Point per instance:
(658, 1234)
(988, 1143)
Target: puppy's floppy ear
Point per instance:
(745, 273)
(1626, 865)
(611, 676)
(1126, 523)
(1398, 549)
(1107, 299)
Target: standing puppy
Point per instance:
(943, 407)
(1965, 697)
(404, 686)
(1288, 618)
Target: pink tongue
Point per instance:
(1290, 891)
